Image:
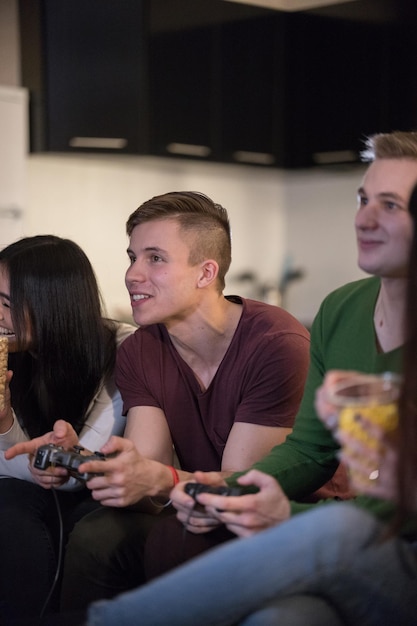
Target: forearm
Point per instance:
(166, 477)
(15, 468)
(299, 474)
(14, 434)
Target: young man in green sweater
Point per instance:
(358, 327)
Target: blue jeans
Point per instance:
(331, 556)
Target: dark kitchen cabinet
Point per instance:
(346, 80)
(300, 89)
(251, 52)
(216, 80)
(200, 69)
(213, 90)
(181, 90)
(88, 82)
(133, 76)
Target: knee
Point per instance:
(107, 534)
(297, 610)
(334, 519)
(88, 536)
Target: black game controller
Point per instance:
(51, 454)
(193, 489)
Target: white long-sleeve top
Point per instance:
(104, 418)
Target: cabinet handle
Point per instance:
(337, 156)
(260, 158)
(188, 149)
(114, 143)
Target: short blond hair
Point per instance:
(395, 145)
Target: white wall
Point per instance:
(13, 151)
(321, 206)
(276, 216)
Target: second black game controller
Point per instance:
(194, 489)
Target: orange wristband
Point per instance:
(174, 473)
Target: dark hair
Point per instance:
(196, 214)
(395, 145)
(54, 294)
(407, 432)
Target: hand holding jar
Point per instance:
(361, 411)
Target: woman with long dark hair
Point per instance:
(60, 385)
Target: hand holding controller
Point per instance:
(51, 454)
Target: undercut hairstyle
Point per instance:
(55, 300)
(196, 215)
(395, 145)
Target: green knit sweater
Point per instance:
(342, 337)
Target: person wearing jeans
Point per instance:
(330, 558)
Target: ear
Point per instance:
(208, 273)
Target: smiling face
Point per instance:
(383, 224)
(6, 324)
(163, 286)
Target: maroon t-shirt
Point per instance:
(260, 381)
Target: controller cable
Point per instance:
(61, 541)
(59, 556)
